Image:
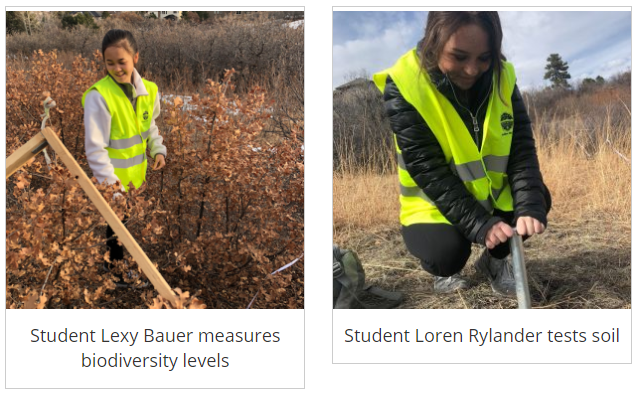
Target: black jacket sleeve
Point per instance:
(531, 196)
(425, 161)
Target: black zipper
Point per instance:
(474, 118)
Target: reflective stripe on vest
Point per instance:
(465, 174)
(126, 143)
(483, 173)
(130, 129)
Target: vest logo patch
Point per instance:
(145, 115)
(507, 122)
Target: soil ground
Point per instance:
(585, 264)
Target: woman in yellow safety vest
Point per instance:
(467, 163)
(119, 119)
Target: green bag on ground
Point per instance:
(349, 289)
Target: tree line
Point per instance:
(30, 22)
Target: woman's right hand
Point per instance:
(499, 233)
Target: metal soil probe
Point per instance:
(520, 273)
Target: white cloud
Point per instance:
(593, 43)
(588, 41)
(374, 53)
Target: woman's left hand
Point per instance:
(528, 226)
(159, 162)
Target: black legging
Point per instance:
(442, 249)
(116, 251)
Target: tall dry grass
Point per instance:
(585, 160)
(588, 182)
(366, 200)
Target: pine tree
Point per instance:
(68, 21)
(89, 21)
(14, 23)
(556, 71)
(203, 15)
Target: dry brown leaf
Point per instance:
(32, 303)
(196, 304)
(186, 208)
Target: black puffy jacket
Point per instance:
(425, 161)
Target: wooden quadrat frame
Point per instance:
(48, 137)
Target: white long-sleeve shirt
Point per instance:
(97, 124)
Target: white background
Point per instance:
(471, 351)
(55, 362)
(322, 378)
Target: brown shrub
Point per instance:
(217, 220)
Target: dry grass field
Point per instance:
(581, 261)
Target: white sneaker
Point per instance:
(449, 284)
(498, 272)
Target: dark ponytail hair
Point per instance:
(119, 38)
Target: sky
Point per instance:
(592, 42)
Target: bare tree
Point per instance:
(30, 20)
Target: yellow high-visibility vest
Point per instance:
(483, 173)
(129, 129)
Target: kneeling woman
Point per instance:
(467, 161)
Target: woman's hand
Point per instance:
(499, 233)
(159, 162)
(528, 226)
